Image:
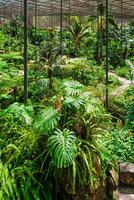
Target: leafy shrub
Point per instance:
(119, 146)
(130, 108)
(37, 36)
(18, 113)
(113, 80)
(8, 187)
(123, 72)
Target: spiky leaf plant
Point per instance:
(8, 187)
(77, 31)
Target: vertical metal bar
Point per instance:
(21, 45)
(61, 28)
(98, 37)
(107, 54)
(121, 33)
(36, 30)
(25, 52)
(11, 21)
(69, 22)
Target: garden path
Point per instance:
(125, 83)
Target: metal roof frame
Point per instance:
(118, 8)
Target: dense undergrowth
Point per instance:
(64, 138)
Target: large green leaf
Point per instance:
(18, 113)
(47, 121)
(73, 88)
(62, 146)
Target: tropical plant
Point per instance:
(50, 54)
(14, 26)
(78, 31)
(119, 145)
(47, 121)
(8, 184)
(62, 146)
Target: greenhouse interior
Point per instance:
(67, 99)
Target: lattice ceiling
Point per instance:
(119, 8)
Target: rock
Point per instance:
(126, 197)
(126, 173)
(126, 189)
(112, 180)
(116, 195)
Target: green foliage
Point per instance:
(73, 103)
(47, 120)
(119, 146)
(123, 72)
(59, 142)
(18, 113)
(37, 36)
(50, 53)
(14, 26)
(12, 57)
(113, 80)
(131, 27)
(39, 88)
(115, 53)
(130, 109)
(78, 31)
(72, 88)
(8, 186)
(130, 116)
(62, 146)
(2, 40)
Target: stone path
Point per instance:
(126, 197)
(125, 84)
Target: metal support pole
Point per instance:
(107, 54)
(61, 28)
(25, 53)
(98, 37)
(36, 30)
(69, 22)
(122, 33)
